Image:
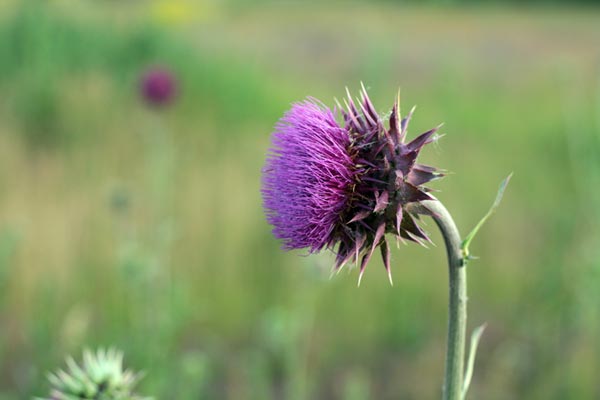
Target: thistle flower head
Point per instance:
(101, 376)
(158, 87)
(344, 185)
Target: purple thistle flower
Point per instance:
(343, 186)
(158, 87)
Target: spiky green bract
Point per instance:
(99, 377)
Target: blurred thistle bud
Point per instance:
(344, 184)
(101, 377)
(158, 87)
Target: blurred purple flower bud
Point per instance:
(158, 86)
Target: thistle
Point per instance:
(344, 185)
(101, 377)
(342, 179)
(158, 87)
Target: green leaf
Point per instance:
(475, 337)
(465, 244)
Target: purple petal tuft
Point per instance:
(308, 176)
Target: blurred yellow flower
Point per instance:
(178, 12)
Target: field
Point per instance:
(142, 228)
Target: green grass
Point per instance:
(122, 226)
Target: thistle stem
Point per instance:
(457, 308)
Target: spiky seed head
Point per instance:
(343, 185)
(100, 376)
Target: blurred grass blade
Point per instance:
(471, 235)
(475, 337)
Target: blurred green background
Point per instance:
(143, 229)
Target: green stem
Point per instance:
(457, 309)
